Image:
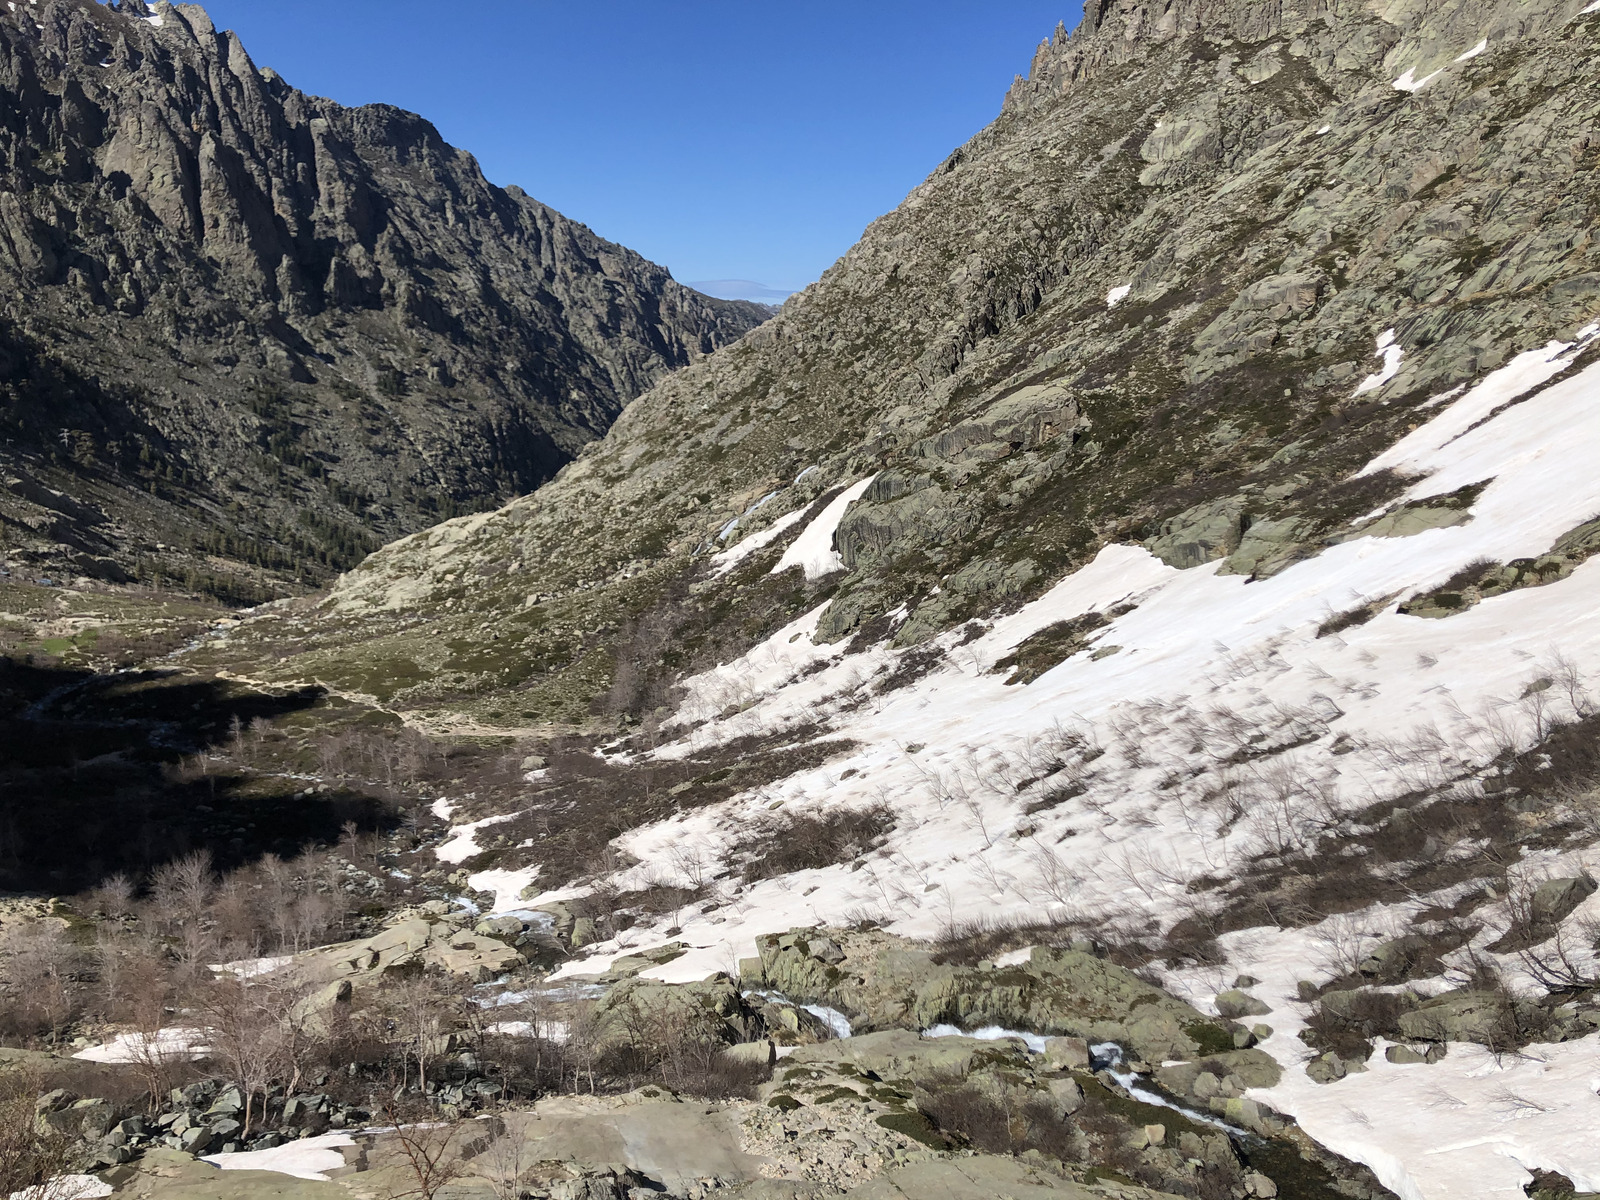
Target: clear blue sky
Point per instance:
(726, 139)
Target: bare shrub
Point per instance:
(33, 1155)
(423, 1008)
(37, 964)
(427, 1158)
(782, 843)
(1000, 1121)
(255, 1032)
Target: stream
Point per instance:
(1109, 1057)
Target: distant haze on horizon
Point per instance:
(745, 146)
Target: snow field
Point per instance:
(176, 1044)
(1144, 735)
(813, 550)
(1472, 1125)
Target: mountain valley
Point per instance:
(1096, 697)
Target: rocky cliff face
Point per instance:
(259, 328)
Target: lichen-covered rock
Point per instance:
(647, 1013)
(412, 942)
(1464, 1016)
(1235, 1004)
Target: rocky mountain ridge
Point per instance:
(1105, 312)
(250, 334)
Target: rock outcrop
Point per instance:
(250, 333)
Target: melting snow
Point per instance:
(730, 558)
(249, 968)
(1118, 294)
(1393, 355)
(307, 1158)
(167, 1045)
(1474, 52)
(462, 843)
(1410, 83)
(813, 550)
(507, 887)
(66, 1187)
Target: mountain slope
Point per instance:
(255, 327)
(1172, 532)
(966, 350)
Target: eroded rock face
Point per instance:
(217, 287)
(414, 943)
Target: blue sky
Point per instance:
(728, 140)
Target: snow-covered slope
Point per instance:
(1174, 526)
(1149, 727)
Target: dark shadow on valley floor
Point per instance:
(107, 773)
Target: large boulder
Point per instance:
(902, 1054)
(1201, 534)
(1234, 1004)
(645, 1012)
(1553, 901)
(1464, 1016)
(413, 943)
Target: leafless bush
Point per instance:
(428, 1160)
(1002, 1121)
(38, 962)
(1566, 962)
(113, 897)
(503, 1162)
(782, 843)
(33, 1155)
(422, 1008)
(256, 1032)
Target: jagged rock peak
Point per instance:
(253, 269)
(1342, 35)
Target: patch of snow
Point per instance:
(462, 843)
(813, 550)
(1326, 129)
(1595, 7)
(1438, 1131)
(730, 558)
(177, 1044)
(307, 1158)
(1410, 83)
(1474, 52)
(1393, 355)
(1118, 294)
(66, 1187)
(1014, 958)
(249, 968)
(506, 886)
(442, 808)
